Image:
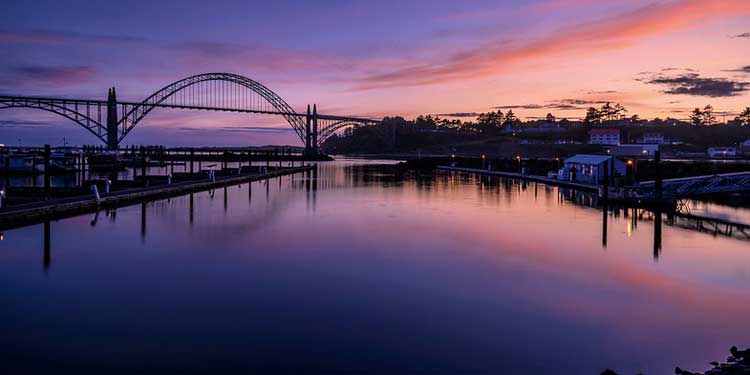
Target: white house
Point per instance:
(722, 152)
(604, 136)
(590, 168)
(654, 138)
(634, 150)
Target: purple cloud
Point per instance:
(38, 75)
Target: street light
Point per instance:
(518, 157)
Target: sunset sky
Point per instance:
(367, 58)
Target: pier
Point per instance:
(26, 214)
(520, 176)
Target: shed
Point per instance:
(590, 168)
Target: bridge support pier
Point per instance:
(308, 135)
(112, 142)
(315, 150)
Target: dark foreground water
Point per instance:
(367, 272)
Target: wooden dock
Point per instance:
(535, 178)
(27, 214)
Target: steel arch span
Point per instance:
(327, 130)
(173, 95)
(66, 108)
(225, 92)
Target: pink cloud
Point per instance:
(610, 33)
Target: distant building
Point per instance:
(653, 138)
(633, 150)
(604, 136)
(590, 168)
(722, 152)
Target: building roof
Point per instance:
(588, 159)
(604, 132)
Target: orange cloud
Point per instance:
(596, 36)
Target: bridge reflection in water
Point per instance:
(331, 176)
(479, 266)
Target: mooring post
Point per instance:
(83, 167)
(658, 180)
(191, 208)
(6, 179)
(47, 253)
(46, 171)
(249, 158)
(657, 233)
(143, 166)
(192, 157)
(605, 185)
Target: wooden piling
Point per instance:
(47, 156)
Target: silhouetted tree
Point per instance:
(696, 118)
(593, 116)
(744, 117)
(510, 118)
(426, 122)
(550, 118)
(708, 115)
(619, 112)
(490, 119)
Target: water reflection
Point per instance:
(47, 255)
(357, 267)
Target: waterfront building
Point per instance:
(633, 150)
(604, 136)
(589, 169)
(653, 138)
(722, 152)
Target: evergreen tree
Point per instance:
(744, 117)
(696, 118)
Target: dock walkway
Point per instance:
(26, 214)
(535, 178)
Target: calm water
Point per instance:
(369, 272)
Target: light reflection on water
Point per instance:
(362, 270)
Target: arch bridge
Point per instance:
(112, 120)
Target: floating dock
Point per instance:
(27, 214)
(535, 178)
